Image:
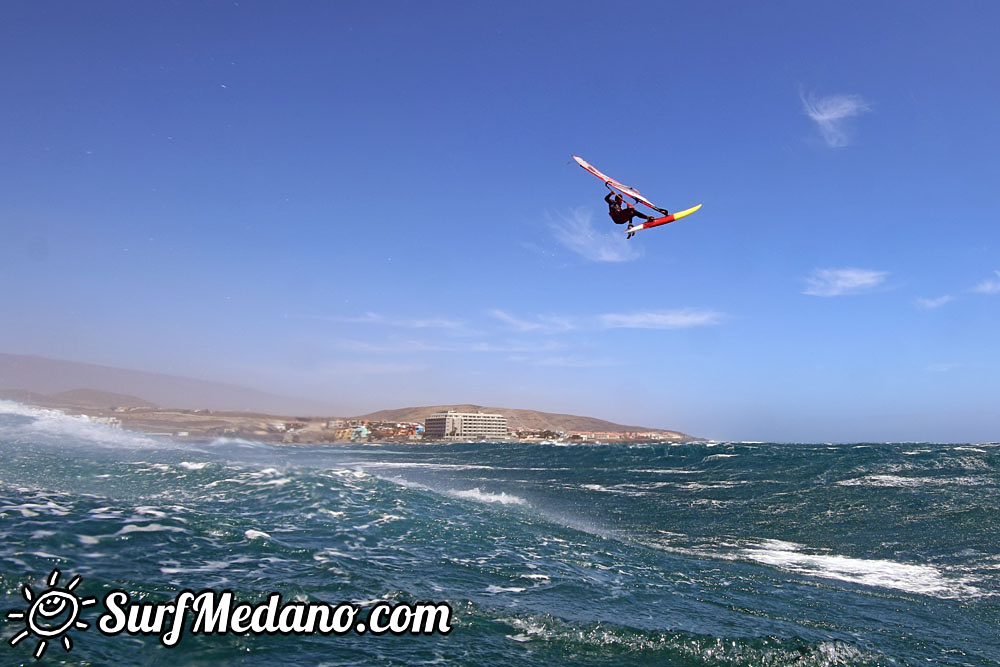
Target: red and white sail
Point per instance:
(621, 187)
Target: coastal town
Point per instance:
(439, 427)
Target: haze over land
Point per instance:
(54, 383)
(53, 376)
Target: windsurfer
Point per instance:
(622, 215)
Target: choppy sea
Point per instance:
(656, 553)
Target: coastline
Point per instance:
(203, 424)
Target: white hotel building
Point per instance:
(453, 425)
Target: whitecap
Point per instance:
(78, 427)
(145, 509)
(209, 566)
(908, 577)
(486, 497)
(501, 589)
(281, 481)
(28, 510)
(889, 481)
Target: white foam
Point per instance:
(485, 497)
(281, 481)
(28, 510)
(210, 566)
(529, 629)
(367, 603)
(430, 466)
(883, 480)
(911, 578)
(187, 465)
(904, 482)
(698, 486)
(78, 427)
(149, 528)
(355, 474)
(595, 487)
(501, 589)
(407, 484)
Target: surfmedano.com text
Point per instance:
(217, 613)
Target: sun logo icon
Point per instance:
(51, 614)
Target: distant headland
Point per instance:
(110, 395)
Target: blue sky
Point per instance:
(374, 204)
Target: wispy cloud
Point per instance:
(838, 282)
(455, 326)
(663, 319)
(943, 367)
(416, 346)
(541, 324)
(578, 232)
(831, 114)
(990, 286)
(931, 304)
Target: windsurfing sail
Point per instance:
(615, 185)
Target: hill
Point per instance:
(48, 377)
(522, 419)
(56, 383)
(92, 398)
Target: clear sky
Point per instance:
(374, 204)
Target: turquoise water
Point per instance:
(695, 554)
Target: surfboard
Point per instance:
(656, 222)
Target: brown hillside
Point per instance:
(518, 419)
(92, 398)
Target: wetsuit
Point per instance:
(622, 215)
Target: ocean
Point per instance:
(653, 553)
